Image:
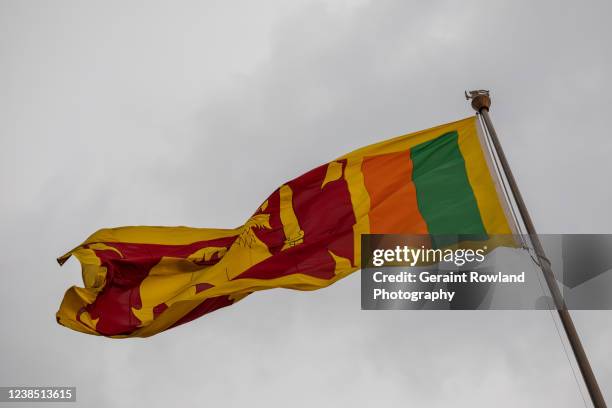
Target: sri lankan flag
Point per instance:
(139, 281)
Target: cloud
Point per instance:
(192, 113)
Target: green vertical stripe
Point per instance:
(445, 197)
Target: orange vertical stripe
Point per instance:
(393, 200)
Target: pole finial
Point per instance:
(480, 99)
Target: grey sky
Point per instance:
(190, 113)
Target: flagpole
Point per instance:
(481, 102)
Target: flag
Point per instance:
(139, 281)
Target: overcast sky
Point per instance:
(191, 112)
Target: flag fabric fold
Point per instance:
(139, 281)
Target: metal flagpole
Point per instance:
(481, 102)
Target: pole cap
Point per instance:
(480, 99)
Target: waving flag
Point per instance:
(139, 281)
